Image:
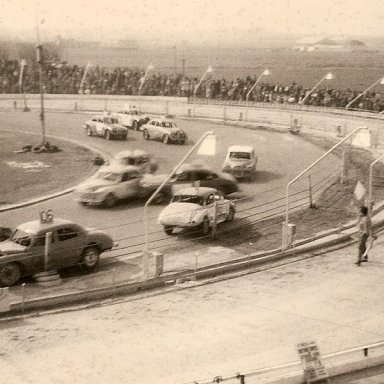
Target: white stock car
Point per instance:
(106, 126)
(117, 182)
(165, 130)
(131, 117)
(195, 208)
(240, 162)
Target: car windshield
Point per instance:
(240, 155)
(21, 237)
(110, 120)
(188, 199)
(110, 176)
(168, 124)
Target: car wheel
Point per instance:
(205, 226)
(168, 229)
(146, 135)
(89, 131)
(90, 258)
(110, 200)
(9, 274)
(135, 126)
(231, 214)
(107, 135)
(123, 137)
(166, 139)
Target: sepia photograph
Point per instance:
(191, 191)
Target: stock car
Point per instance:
(23, 253)
(117, 182)
(106, 126)
(240, 162)
(164, 129)
(131, 117)
(195, 208)
(188, 174)
(138, 157)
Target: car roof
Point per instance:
(120, 168)
(196, 191)
(130, 153)
(240, 148)
(36, 226)
(193, 167)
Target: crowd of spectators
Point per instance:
(73, 79)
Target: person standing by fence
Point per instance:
(364, 231)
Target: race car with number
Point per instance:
(24, 253)
(165, 130)
(106, 126)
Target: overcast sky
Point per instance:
(178, 19)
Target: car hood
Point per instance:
(177, 208)
(8, 247)
(93, 185)
(119, 126)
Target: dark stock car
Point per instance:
(23, 253)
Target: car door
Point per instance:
(35, 253)
(221, 207)
(129, 185)
(93, 124)
(100, 126)
(67, 245)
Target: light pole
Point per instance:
(142, 80)
(40, 61)
(370, 202)
(266, 72)
(23, 63)
(200, 141)
(328, 76)
(208, 70)
(380, 81)
(81, 90)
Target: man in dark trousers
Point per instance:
(364, 231)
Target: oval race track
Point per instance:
(125, 221)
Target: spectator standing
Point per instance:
(364, 231)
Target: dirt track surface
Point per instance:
(198, 333)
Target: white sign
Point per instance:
(208, 146)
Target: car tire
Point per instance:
(9, 274)
(204, 226)
(135, 125)
(110, 200)
(168, 229)
(108, 135)
(166, 139)
(124, 137)
(231, 214)
(89, 131)
(146, 135)
(90, 257)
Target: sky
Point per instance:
(190, 19)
